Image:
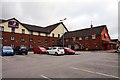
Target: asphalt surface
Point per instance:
(81, 65)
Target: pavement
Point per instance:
(82, 65)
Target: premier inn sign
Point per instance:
(13, 24)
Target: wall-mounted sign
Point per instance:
(13, 24)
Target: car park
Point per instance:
(7, 50)
(40, 50)
(21, 49)
(55, 50)
(68, 51)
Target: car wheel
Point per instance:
(26, 53)
(56, 53)
(66, 53)
(47, 53)
(73, 53)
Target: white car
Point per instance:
(56, 50)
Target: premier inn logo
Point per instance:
(13, 24)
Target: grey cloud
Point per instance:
(78, 13)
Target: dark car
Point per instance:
(21, 50)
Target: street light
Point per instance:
(63, 29)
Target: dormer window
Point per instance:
(31, 32)
(105, 35)
(52, 34)
(58, 35)
(38, 33)
(23, 31)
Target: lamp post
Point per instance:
(63, 29)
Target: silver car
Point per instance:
(56, 50)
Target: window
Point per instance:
(105, 35)
(38, 40)
(12, 38)
(31, 46)
(93, 36)
(80, 38)
(66, 40)
(52, 34)
(23, 31)
(74, 38)
(13, 29)
(31, 39)
(1, 37)
(1, 28)
(45, 40)
(12, 45)
(58, 35)
(86, 38)
(38, 33)
(22, 39)
(46, 34)
(31, 32)
(52, 41)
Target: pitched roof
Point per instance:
(50, 28)
(85, 32)
(35, 28)
(2, 20)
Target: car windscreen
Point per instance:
(7, 48)
(42, 48)
(23, 47)
(60, 48)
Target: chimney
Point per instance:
(91, 26)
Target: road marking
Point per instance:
(45, 77)
(95, 72)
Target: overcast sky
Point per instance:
(79, 13)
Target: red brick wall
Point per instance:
(18, 42)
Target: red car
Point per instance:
(69, 51)
(40, 50)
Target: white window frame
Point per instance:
(86, 38)
(93, 36)
(80, 38)
(12, 38)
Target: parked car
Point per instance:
(21, 50)
(7, 50)
(55, 50)
(40, 50)
(68, 51)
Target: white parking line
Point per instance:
(45, 77)
(95, 72)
